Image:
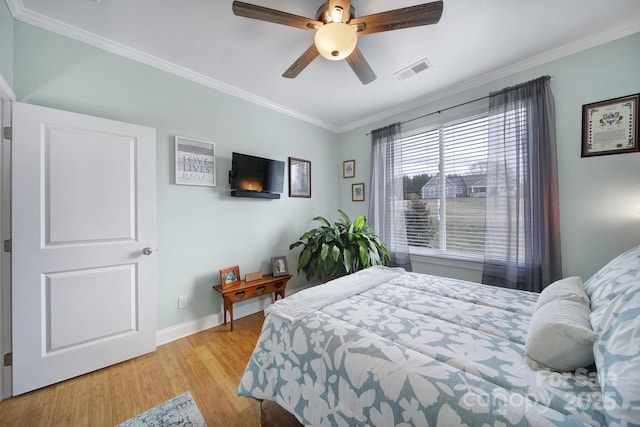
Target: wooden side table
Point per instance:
(246, 290)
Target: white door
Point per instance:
(83, 236)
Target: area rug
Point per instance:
(179, 411)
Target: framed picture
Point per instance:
(230, 276)
(610, 127)
(299, 177)
(195, 162)
(279, 266)
(357, 192)
(348, 168)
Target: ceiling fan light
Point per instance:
(335, 40)
(337, 14)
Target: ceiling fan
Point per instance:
(337, 29)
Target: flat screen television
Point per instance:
(252, 176)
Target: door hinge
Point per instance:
(6, 132)
(6, 246)
(8, 359)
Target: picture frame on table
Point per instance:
(279, 266)
(229, 276)
(611, 126)
(195, 162)
(299, 178)
(357, 192)
(349, 169)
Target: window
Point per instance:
(446, 216)
(433, 187)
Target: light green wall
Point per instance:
(6, 43)
(200, 229)
(597, 195)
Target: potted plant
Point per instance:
(339, 248)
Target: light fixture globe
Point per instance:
(335, 40)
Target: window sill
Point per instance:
(467, 263)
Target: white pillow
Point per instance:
(560, 336)
(570, 288)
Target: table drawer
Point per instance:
(255, 291)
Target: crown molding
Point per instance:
(22, 14)
(30, 17)
(5, 90)
(15, 7)
(544, 58)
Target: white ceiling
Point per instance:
(476, 41)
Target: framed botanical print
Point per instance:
(348, 168)
(357, 192)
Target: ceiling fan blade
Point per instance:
(361, 67)
(276, 16)
(301, 63)
(412, 16)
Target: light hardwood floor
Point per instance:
(208, 364)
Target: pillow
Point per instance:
(617, 355)
(569, 288)
(618, 276)
(560, 337)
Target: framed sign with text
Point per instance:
(195, 162)
(610, 127)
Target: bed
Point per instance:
(386, 347)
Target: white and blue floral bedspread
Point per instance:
(414, 350)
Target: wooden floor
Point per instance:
(208, 364)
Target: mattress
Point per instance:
(385, 347)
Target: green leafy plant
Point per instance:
(338, 248)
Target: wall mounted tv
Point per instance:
(252, 176)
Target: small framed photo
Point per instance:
(348, 168)
(230, 276)
(279, 266)
(299, 178)
(195, 162)
(357, 192)
(611, 126)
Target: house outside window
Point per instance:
(446, 217)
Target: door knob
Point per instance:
(147, 251)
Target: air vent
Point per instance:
(413, 69)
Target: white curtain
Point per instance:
(522, 246)
(386, 205)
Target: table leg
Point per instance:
(228, 306)
(224, 309)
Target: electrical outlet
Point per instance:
(182, 301)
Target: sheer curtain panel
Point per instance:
(522, 245)
(386, 206)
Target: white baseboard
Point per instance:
(191, 327)
(182, 330)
